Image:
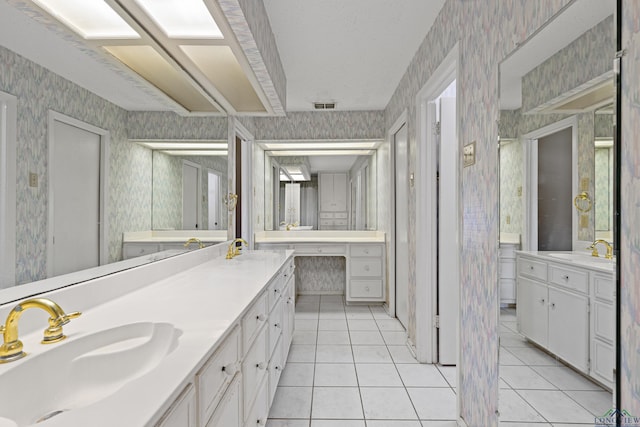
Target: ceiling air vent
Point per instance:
(324, 105)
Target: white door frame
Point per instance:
(105, 137)
(8, 159)
(400, 121)
(426, 205)
(219, 205)
(530, 191)
(237, 129)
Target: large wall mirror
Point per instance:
(556, 195)
(330, 185)
(189, 186)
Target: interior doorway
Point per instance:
(77, 168)
(8, 124)
(214, 198)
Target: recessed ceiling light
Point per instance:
(92, 19)
(322, 153)
(319, 145)
(182, 145)
(196, 152)
(182, 18)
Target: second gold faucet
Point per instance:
(234, 250)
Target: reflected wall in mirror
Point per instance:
(188, 191)
(555, 90)
(604, 170)
(337, 183)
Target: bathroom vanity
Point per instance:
(566, 305)
(364, 251)
(196, 340)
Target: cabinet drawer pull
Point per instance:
(531, 267)
(542, 300)
(261, 366)
(261, 317)
(277, 367)
(261, 422)
(366, 251)
(277, 325)
(289, 301)
(366, 268)
(553, 305)
(566, 277)
(276, 291)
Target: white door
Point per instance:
(448, 248)
(190, 217)
(402, 224)
(75, 181)
(214, 201)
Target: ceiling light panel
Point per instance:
(195, 152)
(319, 145)
(91, 19)
(149, 64)
(189, 19)
(321, 153)
(220, 67)
(183, 145)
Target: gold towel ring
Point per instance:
(579, 200)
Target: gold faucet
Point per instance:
(194, 240)
(609, 254)
(234, 250)
(11, 349)
(288, 226)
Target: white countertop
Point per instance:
(320, 236)
(597, 264)
(202, 302)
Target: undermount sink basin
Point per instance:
(81, 372)
(584, 259)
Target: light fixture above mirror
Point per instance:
(186, 147)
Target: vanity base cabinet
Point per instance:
(228, 414)
(507, 273)
(569, 311)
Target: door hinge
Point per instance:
(438, 128)
(436, 321)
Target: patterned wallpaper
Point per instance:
(320, 275)
(259, 198)
(486, 32)
(511, 187)
(629, 255)
(595, 48)
(168, 125)
(604, 188)
(38, 91)
(322, 125)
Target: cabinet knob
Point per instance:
(366, 268)
(276, 291)
(542, 300)
(229, 369)
(531, 267)
(277, 325)
(261, 366)
(366, 251)
(566, 277)
(366, 288)
(261, 422)
(277, 367)
(553, 305)
(289, 301)
(261, 317)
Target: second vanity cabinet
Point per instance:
(237, 384)
(557, 309)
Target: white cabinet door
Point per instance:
(340, 191)
(569, 327)
(532, 310)
(325, 184)
(227, 414)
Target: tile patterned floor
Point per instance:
(349, 367)
(537, 390)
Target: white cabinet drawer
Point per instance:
(217, 373)
(603, 287)
(340, 222)
(507, 251)
(569, 278)
(365, 267)
(132, 250)
(253, 321)
(326, 215)
(320, 249)
(603, 321)
(229, 412)
(274, 291)
(365, 289)
(507, 269)
(341, 215)
(275, 327)
(366, 250)
(254, 369)
(533, 269)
